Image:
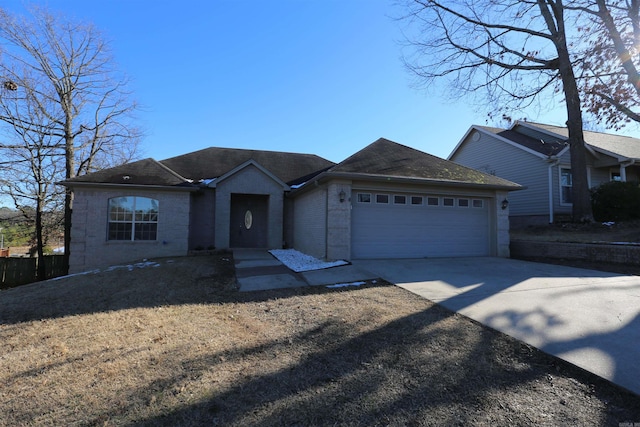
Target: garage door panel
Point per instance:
(408, 231)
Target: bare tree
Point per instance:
(66, 70)
(517, 53)
(610, 71)
(31, 165)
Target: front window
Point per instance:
(566, 183)
(133, 218)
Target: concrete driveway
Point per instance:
(589, 318)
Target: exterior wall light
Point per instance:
(505, 204)
(342, 196)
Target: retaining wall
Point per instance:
(617, 253)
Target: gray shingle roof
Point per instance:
(548, 146)
(388, 158)
(142, 172)
(618, 145)
(214, 162)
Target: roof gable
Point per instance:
(245, 165)
(389, 159)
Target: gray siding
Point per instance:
(506, 161)
(310, 223)
(89, 245)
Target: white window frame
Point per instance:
(132, 217)
(430, 198)
(382, 195)
(402, 196)
(411, 199)
(359, 199)
(561, 187)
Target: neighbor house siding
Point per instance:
(501, 159)
(310, 222)
(90, 247)
(249, 180)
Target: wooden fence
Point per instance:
(20, 271)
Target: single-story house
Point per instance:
(537, 156)
(385, 201)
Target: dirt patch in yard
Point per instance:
(171, 342)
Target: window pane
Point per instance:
(382, 198)
(477, 203)
(416, 200)
(364, 198)
(400, 200)
(120, 208)
(447, 201)
(119, 231)
(146, 231)
(566, 177)
(463, 203)
(433, 201)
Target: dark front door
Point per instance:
(248, 228)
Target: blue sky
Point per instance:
(312, 76)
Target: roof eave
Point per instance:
(189, 188)
(326, 176)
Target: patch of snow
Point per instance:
(76, 274)
(297, 261)
(129, 267)
(295, 186)
(344, 285)
(609, 223)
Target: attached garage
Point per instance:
(405, 225)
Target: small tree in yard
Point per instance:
(70, 111)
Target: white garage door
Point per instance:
(396, 225)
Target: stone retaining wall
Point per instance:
(617, 253)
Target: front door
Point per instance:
(248, 228)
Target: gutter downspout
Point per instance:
(553, 161)
(623, 169)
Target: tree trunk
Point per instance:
(41, 273)
(581, 197)
(68, 198)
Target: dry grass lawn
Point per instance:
(173, 343)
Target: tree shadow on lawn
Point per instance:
(411, 371)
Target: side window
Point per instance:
(133, 218)
(566, 183)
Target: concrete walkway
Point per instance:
(258, 270)
(589, 318)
